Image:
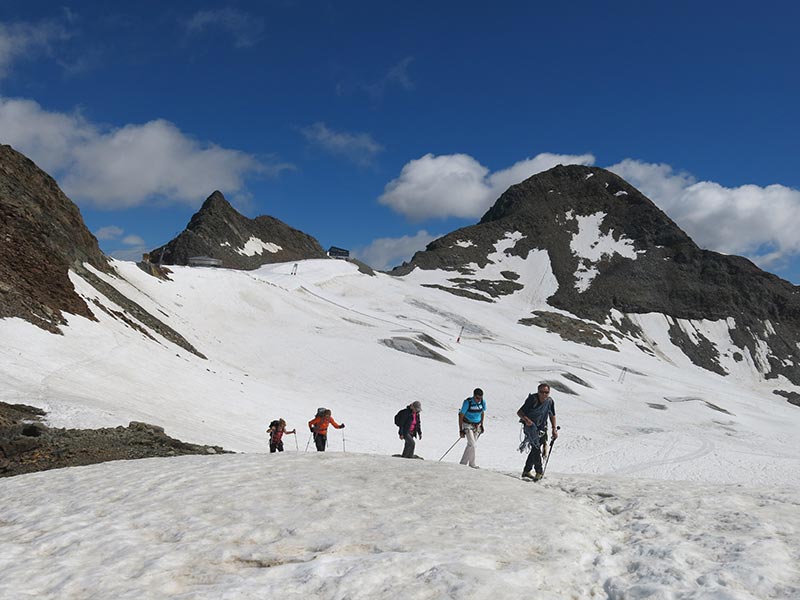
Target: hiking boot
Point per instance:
(474, 467)
(527, 475)
(538, 476)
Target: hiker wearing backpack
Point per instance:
(470, 424)
(538, 408)
(410, 426)
(319, 427)
(276, 431)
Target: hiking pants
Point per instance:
(273, 446)
(408, 449)
(535, 456)
(320, 441)
(471, 432)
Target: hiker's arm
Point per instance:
(553, 423)
(522, 416)
(460, 424)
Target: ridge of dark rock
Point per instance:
(42, 237)
(219, 231)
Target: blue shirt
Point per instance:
(473, 410)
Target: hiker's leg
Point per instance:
(408, 449)
(468, 458)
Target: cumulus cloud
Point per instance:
(133, 240)
(109, 232)
(127, 166)
(758, 222)
(246, 29)
(457, 185)
(20, 41)
(385, 253)
(359, 148)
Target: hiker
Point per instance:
(533, 416)
(470, 424)
(319, 427)
(276, 431)
(410, 426)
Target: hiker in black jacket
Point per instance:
(410, 426)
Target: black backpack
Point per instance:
(398, 418)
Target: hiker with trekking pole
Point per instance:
(276, 431)
(533, 414)
(319, 428)
(470, 425)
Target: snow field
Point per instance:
(356, 526)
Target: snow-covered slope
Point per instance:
(280, 345)
(364, 527)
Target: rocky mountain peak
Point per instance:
(42, 237)
(611, 250)
(219, 231)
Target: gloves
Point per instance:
(420, 437)
(342, 426)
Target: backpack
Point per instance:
(274, 424)
(398, 418)
(320, 411)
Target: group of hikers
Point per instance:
(537, 410)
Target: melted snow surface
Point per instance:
(354, 526)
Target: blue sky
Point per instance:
(380, 126)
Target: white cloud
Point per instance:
(457, 185)
(385, 253)
(124, 167)
(359, 148)
(246, 29)
(133, 240)
(758, 222)
(20, 41)
(109, 232)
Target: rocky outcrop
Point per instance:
(42, 237)
(28, 445)
(218, 231)
(660, 270)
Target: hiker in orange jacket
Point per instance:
(319, 427)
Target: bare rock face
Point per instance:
(218, 231)
(661, 271)
(42, 236)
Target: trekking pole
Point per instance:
(550, 453)
(309, 441)
(296, 445)
(450, 448)
(344, 449)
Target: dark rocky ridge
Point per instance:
(28, 445)
(42, 237)
(218, 223)
(671, 274)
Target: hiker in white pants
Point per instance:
(470, 425)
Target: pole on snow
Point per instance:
(309, 441)
(547, 460)
(450, 448)
(344, 449)
(296, 445)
